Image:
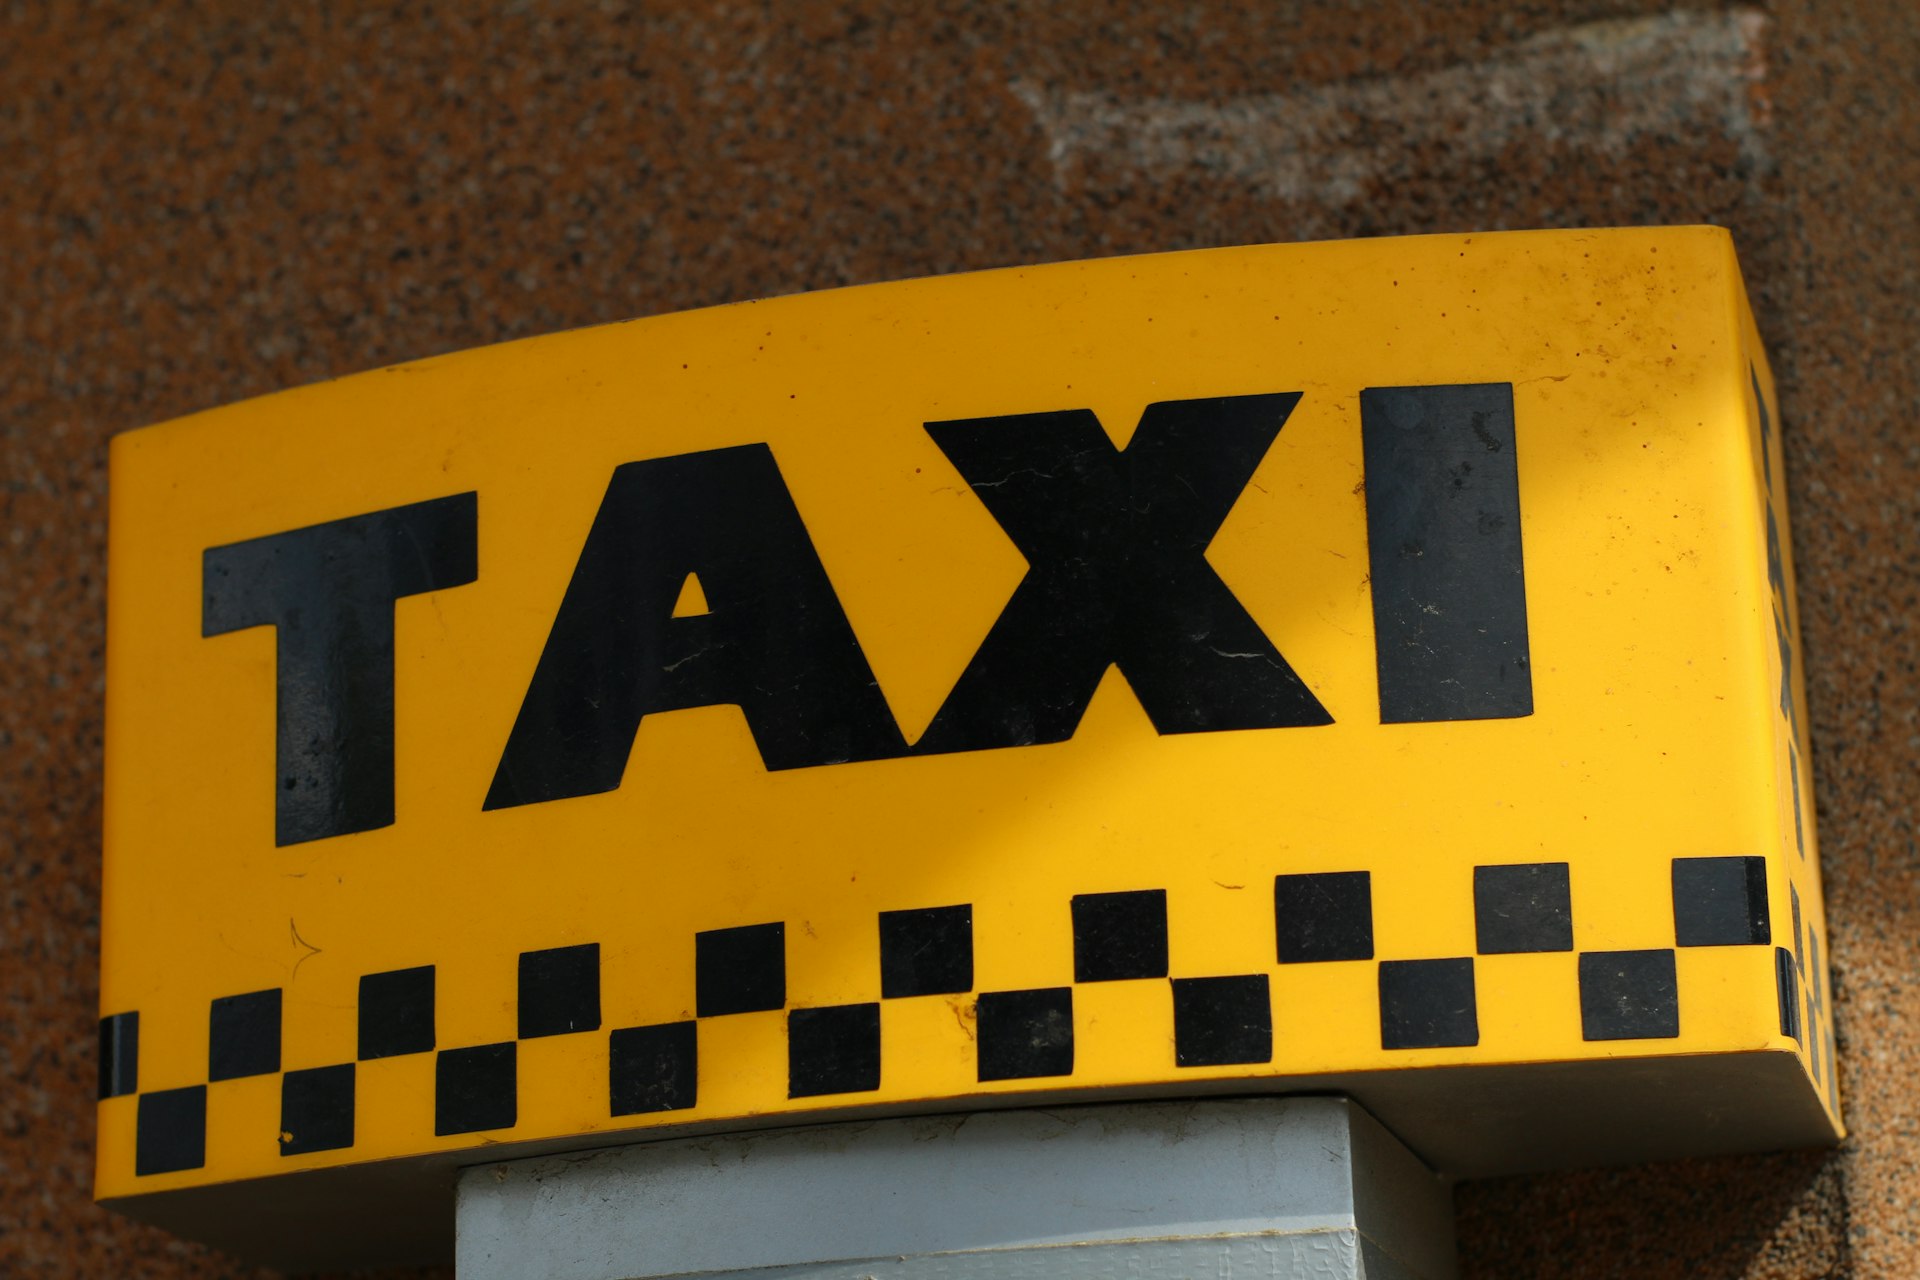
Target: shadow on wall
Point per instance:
(1752, 1217)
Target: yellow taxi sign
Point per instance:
(1362, 665)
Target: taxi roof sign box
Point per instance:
(1365, 667)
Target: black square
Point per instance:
(654, 1068)
(1117, 936)
(1787, 986)
(170, 1132)
(927, 952)
(1522, 907)
(833, 1050)
(1720, 902)
(741, 970)
(1428, 1004)
(1323, 915)
(1629, 995)
(560, 991)
(396, 1013)
(1793, 898)
(1026, 1033)
(1813, 970)
(476, 1089)
(1217, 1021)
(316, 1110)
(119, 1055)
(244, 1035)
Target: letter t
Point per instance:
(328, 592)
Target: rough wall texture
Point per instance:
(203, 203)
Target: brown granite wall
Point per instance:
(200, 203)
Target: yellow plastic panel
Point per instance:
(1392, 623)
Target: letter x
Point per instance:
(1116, 542)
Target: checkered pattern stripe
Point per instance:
(1805, 1013)
(1218, 1019)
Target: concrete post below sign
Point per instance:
(1292, 1187)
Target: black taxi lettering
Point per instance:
(1115, 541)
(773, 642)
(328, 592)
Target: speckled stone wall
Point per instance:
(203, 203)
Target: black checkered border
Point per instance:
(1218, 1020)
(1805, 1013)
